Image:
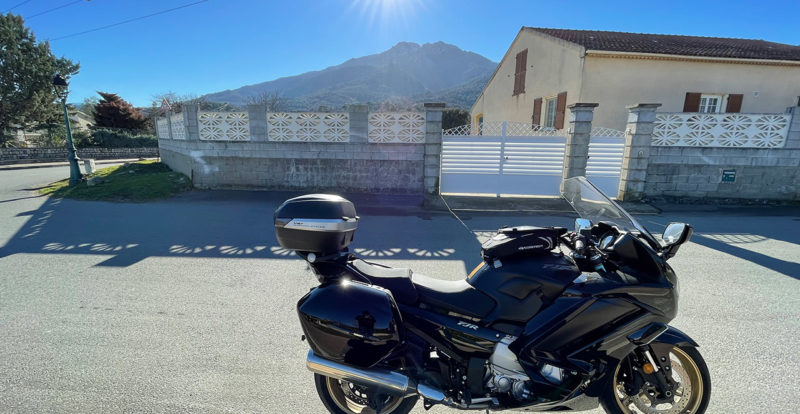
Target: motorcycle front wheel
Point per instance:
(691, 396)
(343, 397)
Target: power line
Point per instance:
(130, 20)
(53, 9)
(17, 5)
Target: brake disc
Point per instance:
(682, 394)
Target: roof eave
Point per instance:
(664, 56)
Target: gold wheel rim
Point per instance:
(348, 405)
(695, 379)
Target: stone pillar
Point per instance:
(257, 117)
(190, 120)
(638, 138)
(359, 119)
(793, 136)
(576, 152)
(168, 114)
(433, 147)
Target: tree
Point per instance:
(88, 104)
(453, 117)
(27, 68)
(175, 101)
(273, 100)
(114, 112)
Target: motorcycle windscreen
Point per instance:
(590, 203)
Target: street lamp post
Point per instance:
(75, 176)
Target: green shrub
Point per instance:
(117, 138)
(453, 117)
(81, 137)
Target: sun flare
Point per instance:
(386, 13)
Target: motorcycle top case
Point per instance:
(318, 223)
(521, 241)
(351, 323)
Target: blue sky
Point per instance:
(225, 44)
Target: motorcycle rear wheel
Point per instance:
(342, 397)
(692, 397)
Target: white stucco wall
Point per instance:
(554, 66)
(616, 82)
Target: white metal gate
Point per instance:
(502, 158)
(606, 147)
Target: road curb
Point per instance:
(65, 164)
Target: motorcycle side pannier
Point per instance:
(351, 323)
(318, 223)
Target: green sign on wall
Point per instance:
(728, 176)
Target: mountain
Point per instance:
(408, 73)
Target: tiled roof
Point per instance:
(676, 45)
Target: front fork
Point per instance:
(654, 368)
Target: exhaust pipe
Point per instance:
(391, 381)
(394, 382)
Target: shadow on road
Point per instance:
(737, 236)
(791, 269)
(228, 224)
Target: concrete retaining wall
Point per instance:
(308, 151)
(355, 167)
(27, 155)
(697, 173)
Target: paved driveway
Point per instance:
(187, 305)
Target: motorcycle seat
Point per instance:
(452, 295)
(409, 288)
(396, 280)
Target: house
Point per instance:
(544, 70)
(80, 121)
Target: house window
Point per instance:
(550, 112)
(519, 72)
(710, 103)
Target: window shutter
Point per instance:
(523, 66)
(537, 112)
(692, 102)
(561, 108)
(734, 102)
(519, 72)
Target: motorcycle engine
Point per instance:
(506, 375)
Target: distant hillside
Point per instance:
(407, 73)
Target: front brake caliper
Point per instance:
(657, 368)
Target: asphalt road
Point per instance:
(187, 305)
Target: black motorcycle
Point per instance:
(552, 320)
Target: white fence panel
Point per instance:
(397, 127)
(224, 126)
(162, 129)
(308, 126)
(721, 130)
(178, 129)
(509, 129)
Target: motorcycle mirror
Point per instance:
(675, 234)
(582, 224)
